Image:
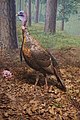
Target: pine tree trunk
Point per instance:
(62, 26)
(8, 39)
(63, 8)
(50, 21)
(37, 11)
(40, 12)
(20, 5)
(29, 10)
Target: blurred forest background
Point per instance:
(67, 11)
(59, 17)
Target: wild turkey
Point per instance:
(36, 56)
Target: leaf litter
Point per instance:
(18, 100)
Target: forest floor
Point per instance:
(18, 100)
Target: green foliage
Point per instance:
(68, 7)
(33, 1)
(57, 41)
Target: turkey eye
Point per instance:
(21, 14)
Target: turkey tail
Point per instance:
(54, 61)
(21, 54)
(60, 81)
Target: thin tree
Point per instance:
(40, 8)
(29, 14)
(8, 37)
(37, 11)
(20, 5)
(41, 13)
(50, 21)
(63, 14)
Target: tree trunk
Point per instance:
(37, 11)
(63, 8)
(50, 21)
(29, 14)
(62, 27)
(40, 12)
(20, 5)
(8, 39)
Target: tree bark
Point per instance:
(8, 39)
(37, 11)
(63, 8)
(40, 11)
(29, 14)
(20, 5)
(50, 21)
(62, 26)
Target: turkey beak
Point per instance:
(16, 14)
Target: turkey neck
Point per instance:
(24, 36)
(24, 47)
(28, 41)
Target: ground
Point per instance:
(18, 100)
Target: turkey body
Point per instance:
(36, 56)
(40, 59)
